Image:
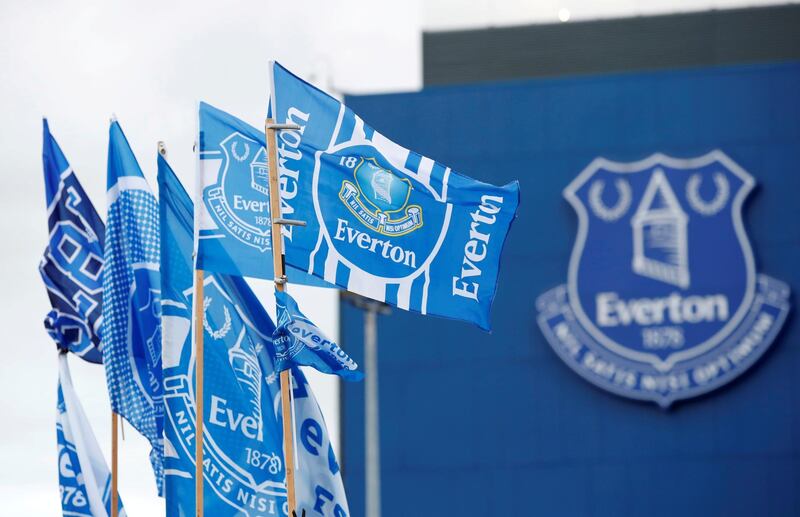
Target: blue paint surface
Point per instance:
(496, 424)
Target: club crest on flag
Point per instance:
(376, 216)
(239, 200)
(249, 472)
(379, 198)
(146, 302)
(662, 300)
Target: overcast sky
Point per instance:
(150, 62)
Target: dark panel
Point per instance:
(496, 424)
(627, 44)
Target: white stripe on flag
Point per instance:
(424, 172)
(126, 183)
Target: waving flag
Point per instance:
(299, 342)
(72, 265)
(235, 232)
(132, 305)
(83, 476)
(244, 463)
(383, 221)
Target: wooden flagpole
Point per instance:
(198, 397)
(280, 280)
(114, 469)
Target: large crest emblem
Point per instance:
(662, 300)
(241, 396)
(239, 200)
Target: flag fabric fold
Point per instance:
(132, 305)
(72, 265)
(234, 222)
(244, 467)
(83, 476)
(298, 342)
(383, 221)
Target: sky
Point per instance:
(150, 63)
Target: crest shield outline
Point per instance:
(243, 170)
(663, 300)
(661, 167)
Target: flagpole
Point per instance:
(371, 419)
(372, 442)
(280, 281)
(199, 358)
(114, 441)
(198, 355)
(114, 469)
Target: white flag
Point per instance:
(83, 476)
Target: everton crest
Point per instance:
(662, 300)
(239, 201)
(242, 467)
(375, 223)
(378, 196)
(145, 301)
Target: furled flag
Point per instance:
(132, 304)
(243, 438)
(299, 342)
(83, 476)
(235, 232)
(383, 221)
(72, 265)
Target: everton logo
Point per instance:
(376, 223)
(239, 200)
(377, 196)
(241, 464)
(145, 328)
(662, 301)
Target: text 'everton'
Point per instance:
(476, 247)
(383, 248)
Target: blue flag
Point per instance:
(235, 232)
(83, 476)
(383, 221)
(299, 342)
(244, 464)
(72, 265)
(132, 305)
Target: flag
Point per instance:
(298, 342)
(235, 227)
(132, 308)
(383, 221)
(83, 476)
(243, 457)
(72, 265)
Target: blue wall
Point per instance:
(496, 424)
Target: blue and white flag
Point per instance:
(383, 221)
(132, 305)
(243, 437)
(72, 265)
(298, 342)
(234, 223)
(83, 476)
